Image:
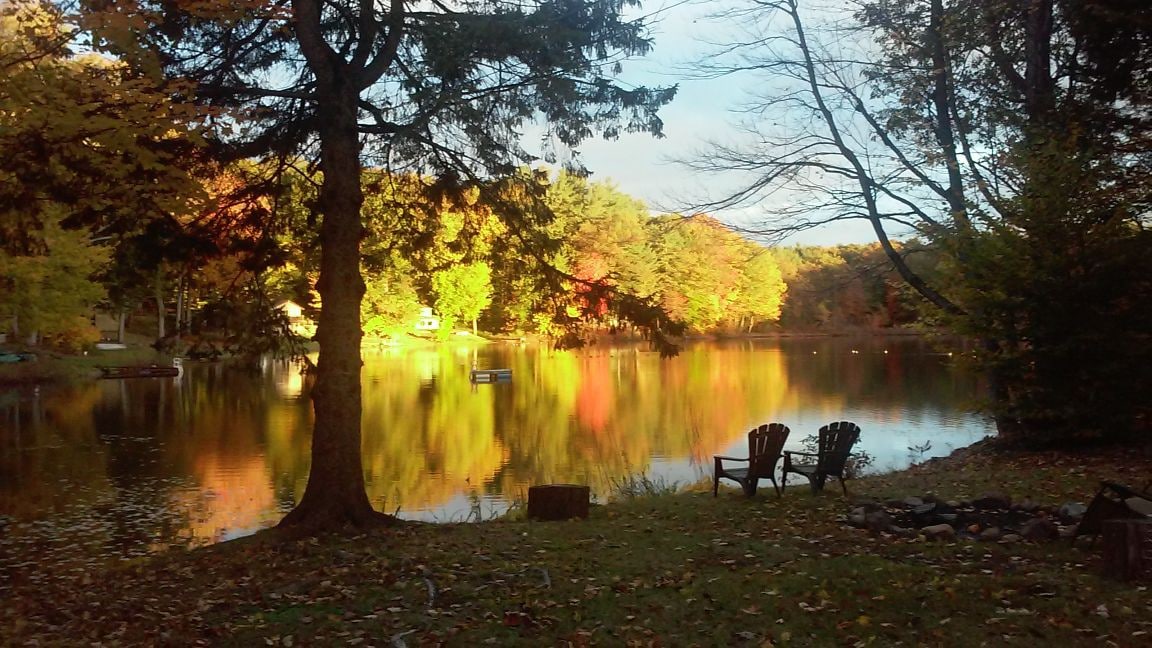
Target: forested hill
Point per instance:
(216, 274)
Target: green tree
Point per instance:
(83, 133)
(463, 291)
(431, 86)
(760, 297)
(608, 233)
(51, 294)
(701, 265)
(605, 241)
(391, 304)
(95, 148)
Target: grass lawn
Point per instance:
(664, 570)
(56, 367)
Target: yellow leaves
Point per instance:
(88, 136)
(28, 21)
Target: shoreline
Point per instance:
(55, 367)
(654, 568)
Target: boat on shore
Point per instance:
(144, 371)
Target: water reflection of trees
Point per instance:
(225, 449)
(125, 466)
(241, 441)
(41, 431)
(591, 416)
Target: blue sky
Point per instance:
(644, 166)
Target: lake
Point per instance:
(123, 468)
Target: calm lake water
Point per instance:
(126, 467)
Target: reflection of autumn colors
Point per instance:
(428, 434)
(233, 494)
(40, 432)
(595, 396)
(226, 450)
(593, 417)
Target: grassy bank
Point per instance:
(668, 570)
(56, 367)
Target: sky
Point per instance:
(644, 166)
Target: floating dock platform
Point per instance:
(490, 375)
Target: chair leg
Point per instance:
(715, 485)
(750, 487)
(817, 483)
(776, 486)
(783, 481)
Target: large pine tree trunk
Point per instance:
(335, 494)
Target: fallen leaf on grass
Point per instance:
(516, 619)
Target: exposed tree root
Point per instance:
(304, 521)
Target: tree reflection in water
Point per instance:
(143, 464)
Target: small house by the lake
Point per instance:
(297, 321)
(428, 320)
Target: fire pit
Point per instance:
(991, 517)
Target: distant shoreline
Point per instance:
(51, 367)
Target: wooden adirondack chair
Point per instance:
(833, 449)
(764, 446)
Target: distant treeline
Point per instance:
(222, 271)
(459, 258)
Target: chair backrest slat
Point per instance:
(835, 444)
(765, 444)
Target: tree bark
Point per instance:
(942, 102)
(180, 306)
(1039, 95)
(158, 295)
(335, 494)
(863, 177)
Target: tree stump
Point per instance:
(558, 501)
(1128, 549)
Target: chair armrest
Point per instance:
(718, 462)
(787, 467)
